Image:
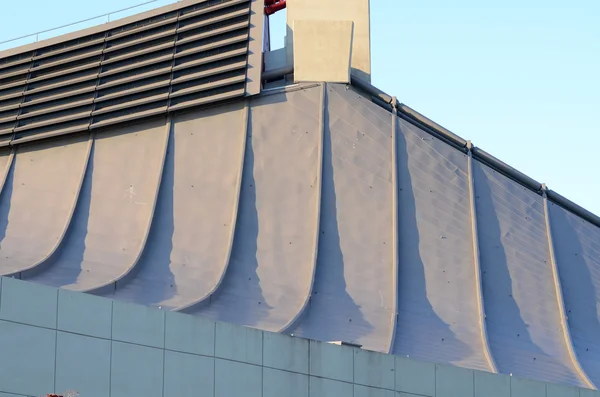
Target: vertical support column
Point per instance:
(476, 261)
(319, 186)
(255, 48)
(395, 264)
(206, 299)
(559, 296)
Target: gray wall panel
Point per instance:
(28, 303)
(114, 208)
(188, 375)
(453, 381)
(331, 361)
(364, 391)
(84, 314)
(189, 334)
(237, 379)
(353, 293)
(87, 373)
(97, 366)
(553, 390)
(136, 370)
(374, 369)
(577, 250)
(239, 343)
(415, 377)
(523, 321)
(270, 269)
(321, 387)
(285, 352)
(27, 359)
(189, 243)
(138, 324)
(38, 199)
(491, 385)
(282, 383)
(526, 388)
(438, 315)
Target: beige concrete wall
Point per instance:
(336, 10)
(322, 51)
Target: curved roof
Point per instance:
(310, 210)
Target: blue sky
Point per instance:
(521, 79)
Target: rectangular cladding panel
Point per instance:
(190, 54)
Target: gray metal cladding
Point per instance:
(187, 251)
(279, 212)
(353, 296)
(522, 313)
(115, 206)
(270, 269)
(38, 199)
(438, 316)
(577, 250)
(189, 56)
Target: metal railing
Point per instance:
(107, 16)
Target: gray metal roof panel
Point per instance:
(269, 279)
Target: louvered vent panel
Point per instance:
(182, 58)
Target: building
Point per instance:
(317, 236)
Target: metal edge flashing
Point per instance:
(487, 352)
(206, 299)
(559, 297)
(323, 119)
(573, 207)
(112, 285)
(45, 262)
(395, 231)
(383, 100)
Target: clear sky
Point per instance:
(521, 79)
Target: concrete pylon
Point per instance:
(355, 11)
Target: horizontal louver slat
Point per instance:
(188, 57)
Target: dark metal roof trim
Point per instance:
(385, 101)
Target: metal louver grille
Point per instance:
(185, 57)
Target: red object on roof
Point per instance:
(272, 6)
